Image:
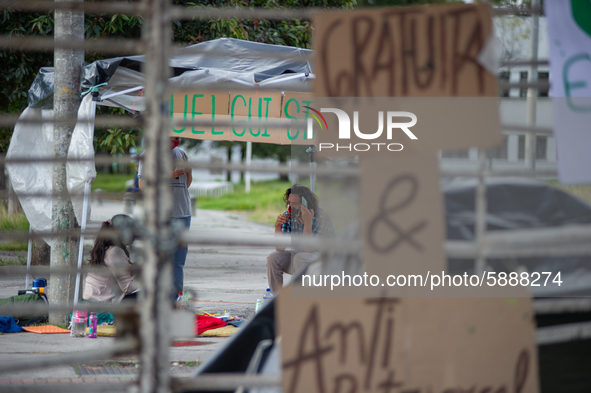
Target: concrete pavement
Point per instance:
(225, 278)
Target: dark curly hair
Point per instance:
(102, 243)
(302, 192)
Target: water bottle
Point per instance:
(93, 322)
(258, 306)
(180, 301)
(267, 297)
(79, 319)
(186, 303)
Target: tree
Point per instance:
(383, 3)
(514, 34)
(229, 145)
(69, 26)
(20, 68)
(116, 141)
(278, 152)
(40, 253)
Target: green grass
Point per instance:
(111, 182)
(12, 223)
(14, 246)
(264, 202)
(15, 222)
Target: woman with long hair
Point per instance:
(117, 283)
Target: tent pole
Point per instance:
(312, 166)
(119, 93)
(81, 247)
(287, 78)
(29, 253)
(248, 161)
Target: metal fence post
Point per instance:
(532, 92)
(157, 270)
(480, 207)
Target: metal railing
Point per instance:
(152, 341)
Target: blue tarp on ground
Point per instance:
(8, 325)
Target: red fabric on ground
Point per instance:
(204, 322)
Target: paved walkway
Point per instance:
(122, 385)
(43, 381)
(224, 278)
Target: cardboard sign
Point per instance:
(241, 108)
(403, 52)
(193, 103)
(401, 212)
(407, 345)
(294, 108)
(569, 31)
(382, 343)
(428, 59)
(263, 105)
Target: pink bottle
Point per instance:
(92, 325)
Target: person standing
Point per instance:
(180, 181)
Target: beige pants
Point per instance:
(280, 262)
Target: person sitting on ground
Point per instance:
(303, 216)
(114, 285)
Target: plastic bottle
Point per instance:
(258, 306)
(186, 302)
(180, 302)
(267, 297)
(79, 319)
(92, 325)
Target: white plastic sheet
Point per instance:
(81, 146)
(36, 141)
(125, 78)
(569, 35)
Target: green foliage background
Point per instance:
(20, 68)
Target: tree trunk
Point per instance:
(40, 254)
(229, 172)
(242, 159)
(14, 206)
(68, 66)
(283, 161)
(3, 178)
